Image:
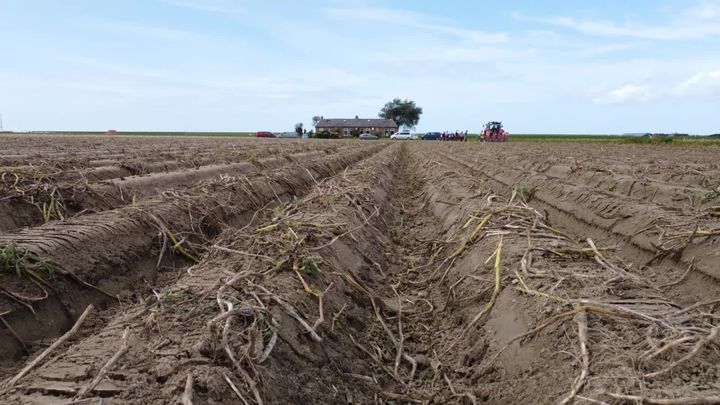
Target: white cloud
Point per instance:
(420, 21)
(444, 56)
(605, 49)
(697, 22)
(629, 93)
(704, 11)
(212, 6)
(152, 32)
(697, 87)
(702, 85)
(640, 31)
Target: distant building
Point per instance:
(345, 127)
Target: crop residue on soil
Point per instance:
(269, 272)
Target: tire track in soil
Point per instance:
(116, 249)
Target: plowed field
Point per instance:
(251, 271)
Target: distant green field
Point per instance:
(556, 137)
(682, 141)
(564, 137)
(687, 141)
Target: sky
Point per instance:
(556, 66)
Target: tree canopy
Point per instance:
(404, 112)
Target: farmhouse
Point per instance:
(346, 127)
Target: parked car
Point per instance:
(264, 134)
(368, 136)
(291, 135)
(403, 135)
(431, 136)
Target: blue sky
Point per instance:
(564, 66)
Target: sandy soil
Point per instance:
(362, 272)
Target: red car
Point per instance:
(264, 134)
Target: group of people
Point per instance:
(456, 136)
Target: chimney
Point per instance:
(356, 117)
(322, 118)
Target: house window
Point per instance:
(346, 131)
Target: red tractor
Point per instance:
(494, 132)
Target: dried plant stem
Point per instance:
(289, 309)
(106, 368)
(493, 298)
(698, 346)
(188, 393)
(321, 318)
(235, 389)
(335, 239)
(52, 347)
(401, 337)
(636, 399)
(248, 380)
(683, 277)
(581, 319)
(337, 316)
(532, 332)
(669, 346)
(697, 305)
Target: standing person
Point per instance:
(465, 136)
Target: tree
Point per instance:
(299, 128)
(404, 112)
(315, 120)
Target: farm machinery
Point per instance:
(494, 132)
